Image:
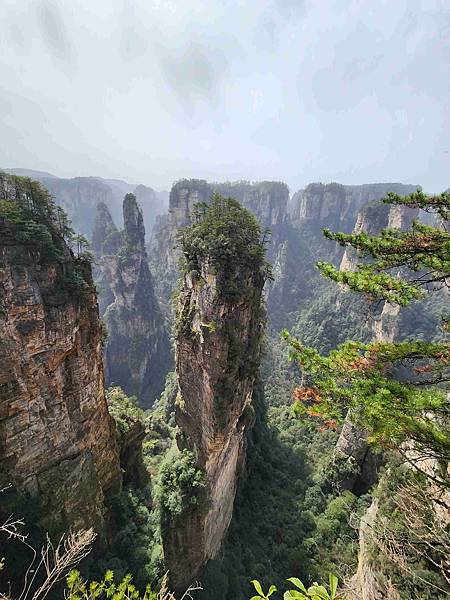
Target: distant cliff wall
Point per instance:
(267, 200)
(79, 197)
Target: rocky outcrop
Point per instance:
(218, 346)
(137, 351)
(296, 241)
(367, 583)
(57, 439)
(356, 464)
(371, 219)
(352, 449)
(184, 195)
(106, 241)
(79, 197)
(267, 200)
(152, 203)
(106, 238)
(131, 459)
(131, 432)
(325, 205)
(335, 205)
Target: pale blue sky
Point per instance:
(295, 90)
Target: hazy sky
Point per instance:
(296, 90)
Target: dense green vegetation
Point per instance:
(398, 392)
(180, 486)
(29, 211)
(29, 215)
(286, 520)
(424, 250)
(291, 517)
(175, 486)
(226, 236)
(314, 592)
(124, 409)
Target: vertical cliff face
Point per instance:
(57, 439)
(325, 205)
(335, 205)
(106, 241)
(367, 583)
(152, 204)
(184, 195)
(137, 352)
(218, 341)
(267, 200)
(371, 219)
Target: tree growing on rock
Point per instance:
(397, 391)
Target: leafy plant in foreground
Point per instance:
(313, 592)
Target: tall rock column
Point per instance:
(137, 352)
(220, 318)
(106, 242)
(57, 440)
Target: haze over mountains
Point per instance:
(224, 299)
(79, 197)
(151, 397)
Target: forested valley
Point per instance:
(229, 389)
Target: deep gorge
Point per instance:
(199, 466)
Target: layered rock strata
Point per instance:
(218, 345)
(57, 440)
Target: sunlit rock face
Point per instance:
(218, 348)
(57, 439)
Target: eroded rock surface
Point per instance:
(137, 352)
(57, 439)
(218, 346)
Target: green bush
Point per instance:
(180, 487)
(229, 237)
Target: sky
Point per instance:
(151, 91)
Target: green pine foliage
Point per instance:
(229, 238)
(423, 250)
(29, 216)
(28, 210)
(395, 390)
(355, 377)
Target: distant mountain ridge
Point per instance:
(79, 196)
